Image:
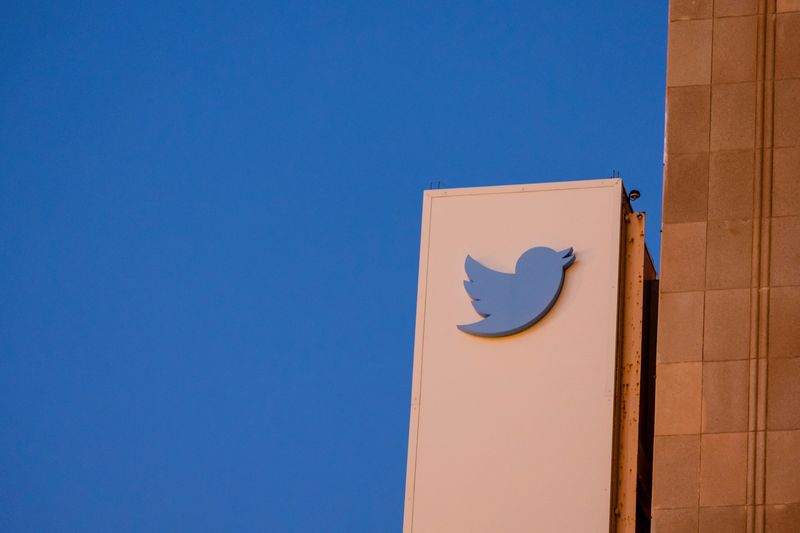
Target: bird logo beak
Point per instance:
(568, 257)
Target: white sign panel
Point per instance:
(514, 432)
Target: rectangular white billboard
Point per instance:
(512, 417)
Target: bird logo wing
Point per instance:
(486, 287)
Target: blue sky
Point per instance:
(209, 235)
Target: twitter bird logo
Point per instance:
(511, 303)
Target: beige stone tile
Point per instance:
(690, 9)
(728, 262)
(674, 520)
(686, 188)
(725, 396)
(723, 519)
(783, 393)
(680, 327)
(733, 116)
(783, 467)
(787, 46)
(785, 6)
(676, 471)
(688, 119)
(786, 181)
(787, 112)
(782, 518)
(683, 257)
(733, 8)
(726, 334)
(678, 398)
(784, 266)
(784, 317)
(735, 49)
(689, 53)
(723, 469)
(730, 193)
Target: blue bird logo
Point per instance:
(511, 303)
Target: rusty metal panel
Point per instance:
(630, 373)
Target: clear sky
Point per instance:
(209, 225)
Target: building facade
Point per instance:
(727, 409)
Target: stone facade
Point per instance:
(727, 421)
